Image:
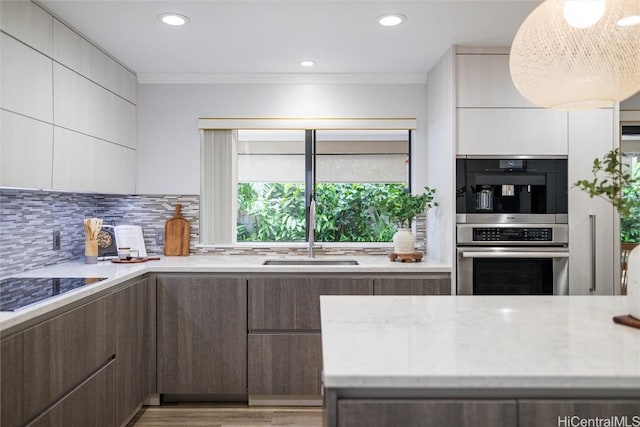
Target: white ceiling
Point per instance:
(268, 37)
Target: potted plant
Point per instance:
(402, 210)
(611, 183)
(622, 190)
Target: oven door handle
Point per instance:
(478, 254)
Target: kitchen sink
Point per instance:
(310, 262)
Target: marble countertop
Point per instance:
(236, 264)
(478, 342)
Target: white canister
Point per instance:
(404, 241)
(633, 282)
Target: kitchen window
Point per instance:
(257, 183)
(630, 145)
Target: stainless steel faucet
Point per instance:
(312, 226)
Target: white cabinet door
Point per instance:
(485, 81)
(511, 131)
(26, 82)
(83, 163)
(591, 135)
(86, 107)
(84, 58)
(28, 23)
(26, 147)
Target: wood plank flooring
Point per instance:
(212, 415)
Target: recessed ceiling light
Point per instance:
(629, 21)
(307, 63)
(174, 19)
(391, 19)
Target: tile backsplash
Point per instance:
(28, 219)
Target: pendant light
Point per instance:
(578, 54)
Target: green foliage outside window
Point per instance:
(275, 212)
(630, 224)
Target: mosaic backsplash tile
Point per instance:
(28, 219)
(27, 222)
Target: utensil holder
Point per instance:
(90, 251)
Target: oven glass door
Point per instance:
(512, 276)
(512, 270)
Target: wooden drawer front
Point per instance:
(285, 364)
(91, 404)
(538, 413)
(413, 286)
(61, 353)
(11, 382)
(135, 346)
(427, 413)
(293, 303)
(202, 335)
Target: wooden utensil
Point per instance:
(176, 235)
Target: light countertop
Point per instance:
(233, 264)
(481, 342)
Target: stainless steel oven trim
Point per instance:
(464, 235)
(511, 156)
(492, 218)
(465, 255)
(470, 254)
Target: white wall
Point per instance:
(169, 140)
(632, 103)
(441, 159)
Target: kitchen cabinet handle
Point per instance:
(515, 254)
(592, 223)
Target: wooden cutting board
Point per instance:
(176, 235)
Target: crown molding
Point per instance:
(306, 78)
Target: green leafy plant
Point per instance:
(630, 224)
(404, 208)
(620, 188)
(348, 212)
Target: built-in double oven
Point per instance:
(512, 231)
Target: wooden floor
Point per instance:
(211, 415)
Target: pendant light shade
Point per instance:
(566, 61)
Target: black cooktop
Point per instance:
(19, 292)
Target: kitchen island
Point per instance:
(478, 361)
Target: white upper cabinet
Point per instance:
(26, 147)
(493, 118)
(81, 56)
(27, 22)
(485, 81)
(83, 163)
(82, 105)
(69, 113)
(26, 82)
(511, 131)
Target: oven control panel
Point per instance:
(512, 234)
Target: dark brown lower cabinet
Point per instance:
(11, 382)
(135, 346)
(285, 364)
(202, 335)
(427, 413)
(91, 404)
(564, 412)
(61, 353)
(293, 302)
(426, 286)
